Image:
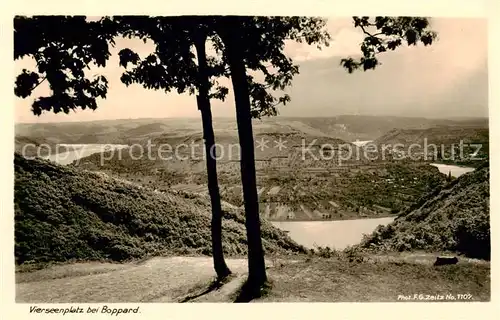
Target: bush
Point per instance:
(63, 213)
(472, 237)
(452, 218)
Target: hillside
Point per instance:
(33, 147)
(455, 217)
(301, 194)
(64, 213)
(438, 135)
(288, 190)
(447, 139)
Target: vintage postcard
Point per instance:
(218, 157)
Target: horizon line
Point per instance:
(262, 119)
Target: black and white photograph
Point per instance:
(250, 158)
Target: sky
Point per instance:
(447, 79)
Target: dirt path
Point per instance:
(189, 279)
(156, 280)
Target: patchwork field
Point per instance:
(304, 171)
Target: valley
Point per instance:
(285, 159)
(304, 173)
(128, 191)
(311, 176)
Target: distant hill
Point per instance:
(455, 217)
(446, 135)
(126, 131)
(33, 146)
(359, 127)
(445, 139)
(294, 132)
(63, 213)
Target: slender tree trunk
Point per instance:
(256, 265)
(213, 187)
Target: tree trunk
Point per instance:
(213, 187)
(256, 265)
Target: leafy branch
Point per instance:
(390, 33)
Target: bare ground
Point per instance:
(191, 279)
(155, 280)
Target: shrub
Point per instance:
(452, 218)
(472, 237)
(66, 213)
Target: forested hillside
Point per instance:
(63, 213)
(455, 217)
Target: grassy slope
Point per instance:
(333, 280)
(452, 218)
(170, 279)
(63, 213)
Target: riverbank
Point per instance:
(463, 164)
(339, 218)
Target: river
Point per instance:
(456, 171)
(335, 234)
(361, 143)
(343, 233)
(80, 151)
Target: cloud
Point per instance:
(449, 78)
(345, 42)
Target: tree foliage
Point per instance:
(386, 34)
(63, 47)
(172, 65)
(261, 41)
